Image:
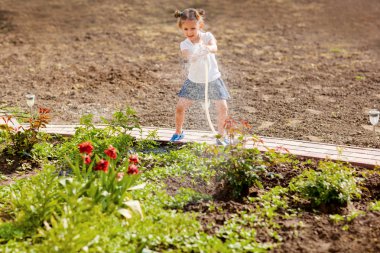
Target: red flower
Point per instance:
(102, 165)
(111, 152)
(132, 169)
(133, 159)
(86, 147)
(86, 159)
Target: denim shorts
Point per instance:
(196, 91)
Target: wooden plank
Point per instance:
(327, 146)
(321, 150)
(365, 157)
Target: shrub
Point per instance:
(20, 140)
(240, 171)
(333, 183)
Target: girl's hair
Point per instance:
(189, 14)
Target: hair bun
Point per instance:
(201, 12)
(177, 13)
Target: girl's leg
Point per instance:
(182, 105)
(222, 114)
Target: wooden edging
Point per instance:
(362, 157)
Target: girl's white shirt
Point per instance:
(197, 67)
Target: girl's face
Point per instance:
(190, 29)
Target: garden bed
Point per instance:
(313, 230)
(131, 194)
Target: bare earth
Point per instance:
(300, 69)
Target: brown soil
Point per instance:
(14, 167)
(300, 69)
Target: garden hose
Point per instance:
(207, 103)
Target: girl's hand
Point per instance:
(204, 49)
(211, 47)
(200, 53)
(196, 57)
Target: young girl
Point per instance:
(195, 48)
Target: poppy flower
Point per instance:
(111, 152)
(132, 169)
(102, 165)
(86, 147)
(133, 159)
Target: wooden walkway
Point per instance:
(363, 157)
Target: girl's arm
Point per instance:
(189, 56)
(186, 54)
(211, 46)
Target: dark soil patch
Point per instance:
(13, 167)
(9, 164)
(371, 186)
(199, 185)
(319, 234)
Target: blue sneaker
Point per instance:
(222, 142)
(177, 137)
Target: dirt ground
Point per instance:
(299, 69)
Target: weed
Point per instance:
(240, 171)
(333, 183)
(375, 206)
(359, 78)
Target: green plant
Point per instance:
(354, 214)
(123, 121)
(20, 140)
(332, 183)
(237, 128)
(29, 202)
(147, 143)
(240, 171)
(185, 196)
(104, 182)
(99, 183)
(114, 132)
(80, 228)
(336, 218)
(359, 78)
(375, 206)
